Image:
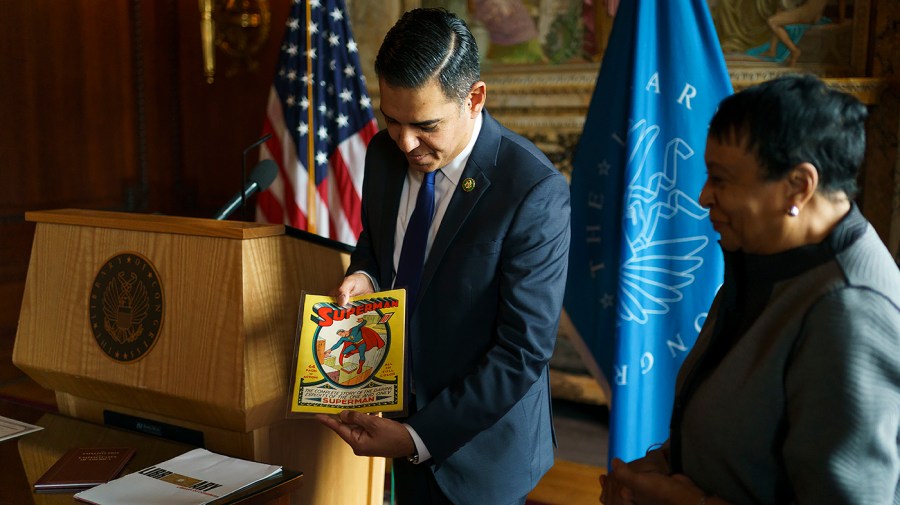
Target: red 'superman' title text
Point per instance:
(325, 314)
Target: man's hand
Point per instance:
(353, 285)
(370, 435)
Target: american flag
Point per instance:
(320, 116)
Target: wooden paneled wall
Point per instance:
(105, 106)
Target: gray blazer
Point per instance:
(805, 405)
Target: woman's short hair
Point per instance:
(426, 44)
(795, 119)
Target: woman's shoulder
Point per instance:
(867, 265)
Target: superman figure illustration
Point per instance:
(356, 340)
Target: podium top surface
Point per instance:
(239, 230)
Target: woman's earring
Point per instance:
(794, 211)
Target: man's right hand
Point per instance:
(354, 285)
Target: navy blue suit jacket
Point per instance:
(486, 320)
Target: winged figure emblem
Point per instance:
(125, 306)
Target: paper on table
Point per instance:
(10, 428)
(194, 478)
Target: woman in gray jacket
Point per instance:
(792, 391)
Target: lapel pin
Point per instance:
(468, 184)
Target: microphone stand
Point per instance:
(244, 171)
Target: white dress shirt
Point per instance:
(445, 182)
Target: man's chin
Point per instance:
(425, 163)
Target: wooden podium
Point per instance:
(184, 328)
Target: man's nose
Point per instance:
(407, 140)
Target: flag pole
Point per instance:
(310, 146)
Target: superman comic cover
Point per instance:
(349, 357)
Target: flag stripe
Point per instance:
(348, 204)
(350, 154)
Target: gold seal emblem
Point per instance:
(468, 184)
(126, 307)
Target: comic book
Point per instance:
(349, 357)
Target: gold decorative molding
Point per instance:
(238, 29)
(867, 89)
(548, 104)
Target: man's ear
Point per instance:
(803, 181)
(476, 99)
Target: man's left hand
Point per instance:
(370, 435)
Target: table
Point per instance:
(26, 458)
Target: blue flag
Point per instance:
(645, 263)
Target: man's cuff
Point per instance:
(371, 279)
(421, 450)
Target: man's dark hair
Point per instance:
(795, 119)
(426, 44)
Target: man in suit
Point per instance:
(486, 308)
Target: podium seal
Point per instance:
(126, 307)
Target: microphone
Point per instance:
(260, 178)
(252, 146)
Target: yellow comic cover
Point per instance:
(351, 356)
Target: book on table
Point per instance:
(82, 468)
(193, 478)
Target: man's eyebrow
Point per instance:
(426, 123)
(421, 124)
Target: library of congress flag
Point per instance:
(645, 262)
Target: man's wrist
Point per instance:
(371, 278)
(414, 457)
(420, 452)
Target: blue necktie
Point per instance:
(412, 255)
